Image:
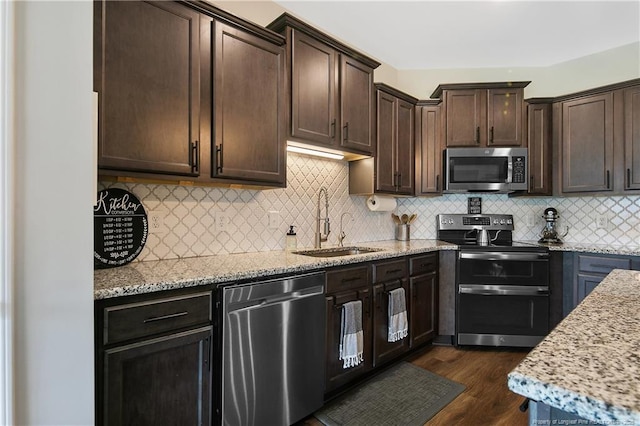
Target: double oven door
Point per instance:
(502, 297)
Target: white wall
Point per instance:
(54, 221)
(611, 66)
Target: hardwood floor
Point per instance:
(486, 399)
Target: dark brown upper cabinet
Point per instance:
(428, 148)
(249, 107)
(482, 114)
(330, 89)
(147, 75)
(165, 72)
(632, 137)
(394, 159)
(540, 147)
(596, 140)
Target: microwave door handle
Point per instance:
(509, 169)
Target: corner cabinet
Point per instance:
(330, 89)
(482, 114)
(428, 148)
(188, 93)
(153, 359)
(394, 159)
(597, 140)
(539, 143)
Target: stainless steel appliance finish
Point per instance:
(502, 287)
(485, 169)
(273, 347)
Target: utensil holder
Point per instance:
(402, 232)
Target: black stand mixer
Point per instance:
(549, 232)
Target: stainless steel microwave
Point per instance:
(485, 169)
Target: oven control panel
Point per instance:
(475, 221)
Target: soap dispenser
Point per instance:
(291, 242)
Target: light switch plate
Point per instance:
(274, 219)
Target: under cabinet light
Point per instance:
(308, 151)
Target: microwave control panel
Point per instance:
(518, 170)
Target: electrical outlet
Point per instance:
(156, 222)
(602, 222)
(222, 221)
(274, 219)
(531, 220)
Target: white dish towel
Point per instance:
(398, 326)
(351, 343)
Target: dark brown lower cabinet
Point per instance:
(383, 350)
(423, 304)
(346, 285)
(154, 354)
(159, 381)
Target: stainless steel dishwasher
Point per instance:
(273, 346)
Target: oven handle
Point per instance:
(503, 290)
(524, 256)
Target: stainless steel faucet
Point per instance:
(327, 227)
(342, 235)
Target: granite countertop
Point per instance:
(147, 277)
(589, 364)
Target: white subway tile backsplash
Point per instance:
(190, 214)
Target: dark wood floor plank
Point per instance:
(486, 399)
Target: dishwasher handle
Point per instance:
(275, 299)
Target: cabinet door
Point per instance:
(428, 151)
(337, 375)
(586, 283)
(385, 144)
(587, 144)
(356, 105)
(632, 138)
(404, 147)
(504, 117)
(539, 140)
(423, 320)
(147, 74)
(463, 117)
(313, 90)
(159, 381)
(383, 350)
(249, 107)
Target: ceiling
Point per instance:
(474, 34)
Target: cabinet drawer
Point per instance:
(602, 265)
(387, 271)
(423, 264)
(348, 278)
(136, 320)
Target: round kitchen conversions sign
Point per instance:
(120, 228)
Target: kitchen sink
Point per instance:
(337, 251)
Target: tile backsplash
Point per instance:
(190, 213)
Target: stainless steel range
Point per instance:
(502, 286)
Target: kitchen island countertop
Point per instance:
(147, 277)
(589, 365)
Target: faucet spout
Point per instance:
(319, 237)
(342, 235)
